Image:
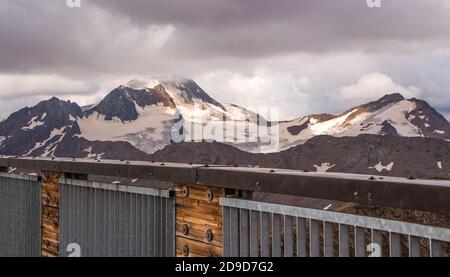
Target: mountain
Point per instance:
(145, 117)
(132, 121)
(391, 115)
(365, 154)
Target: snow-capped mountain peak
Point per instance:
(138, 118)
(390, 115)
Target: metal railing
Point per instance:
(108, 220)
(20, 212)
(91, 218)
(254, 229)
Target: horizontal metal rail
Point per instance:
(425, 195)
(262, 229)
(116, 187)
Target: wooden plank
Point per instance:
(202, 214)
(201, 193)
(196, 248)
(198, 231)
(50, 195)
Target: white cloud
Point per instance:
(14, 86)
(375, 85)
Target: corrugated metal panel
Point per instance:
(20, 216)
(113, 220)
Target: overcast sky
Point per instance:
(301, 56)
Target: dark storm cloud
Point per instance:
(265, 27)
(40, 35)
(227, 44)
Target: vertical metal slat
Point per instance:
(254, 234)
(314, 240)
(360, 242)
(288, 240)
(244, 244)
(328, 239)
(265, 230)
(276, 235)
(394, 245)
(234, 232)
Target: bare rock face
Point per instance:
(365, 154)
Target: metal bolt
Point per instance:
(210, 195)
(209, 235)
(185, 250)
(185, 191)
(185, 229)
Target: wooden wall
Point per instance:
(198, 221)
(50, 214)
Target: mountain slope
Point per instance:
(145, 116)
(364, 154)
(391, 115)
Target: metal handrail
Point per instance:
(424, 195)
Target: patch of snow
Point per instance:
(91, 155)
(439, 132)
(44, 115)
(313, 120)
(149, 132)
(330, 126)
(324, 167)
(2, 139)
(439, 164)
(33, 123)
(422, 117)
(50, 149)
(380, 167)
(134, 180)
(116, 182)
(71, 118)
(427, 125)
(328, 207)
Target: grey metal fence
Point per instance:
(20, 216)
(261, 229)
(98, 219)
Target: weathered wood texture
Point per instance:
(198, 221)
(50, 214)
